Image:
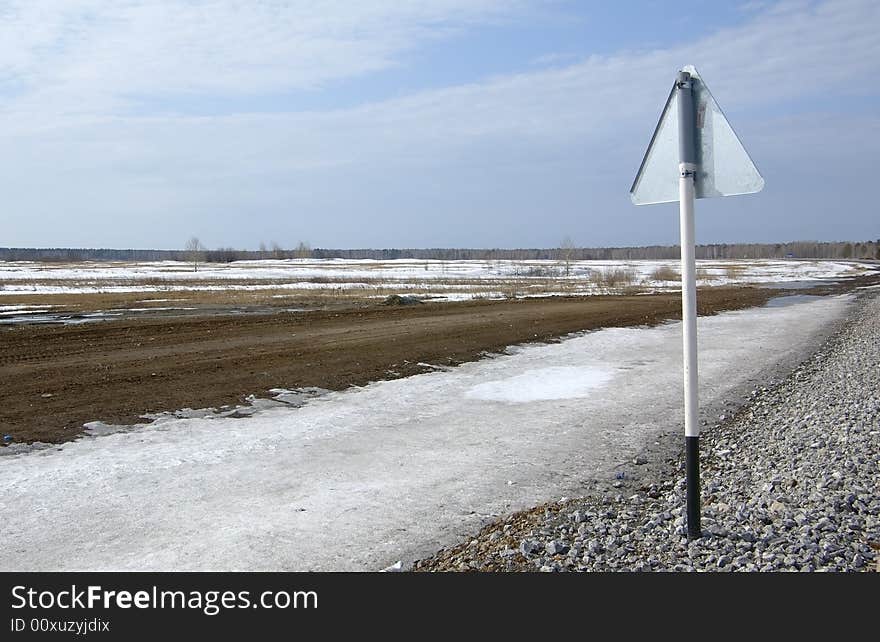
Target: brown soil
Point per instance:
(55, 378)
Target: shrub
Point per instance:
(664, 273)
(543, 271)
(613, 278)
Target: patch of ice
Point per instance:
(22, 449)
(544, 384)
(156, 309)
(99, 428)
(11, 309)
(297, 398)
(422, 364)
(282, 397)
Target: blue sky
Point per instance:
(441, 123)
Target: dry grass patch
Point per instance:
(734, 270)
(665, 273)
(612, 278)
(703, 274)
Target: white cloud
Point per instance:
(150, 49)
(589, 101)
(85, 56)
(590, 119)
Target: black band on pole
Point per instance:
(692, 464)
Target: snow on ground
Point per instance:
(14, 310)
(19, 308)
(359, 479)
(544, 384)
(423, 277)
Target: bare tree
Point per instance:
(566, 254)
(277, 251)
(303, 251)
(195, 252)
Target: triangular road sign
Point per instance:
(724, 167)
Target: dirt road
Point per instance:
(55, 378)
(394, 471)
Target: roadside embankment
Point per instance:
(789, 483)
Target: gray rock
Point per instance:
(529, 547)
(556, 547)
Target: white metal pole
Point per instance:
(688, 298)
(687, 141)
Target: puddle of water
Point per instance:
(794, 299)
(67, 318)
(63, 319)
(28, 318)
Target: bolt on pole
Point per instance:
(688, 168)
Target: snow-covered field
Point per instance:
(359, 479)
(449, 280)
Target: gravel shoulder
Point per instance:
(789, 483)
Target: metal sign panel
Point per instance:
(724, 167)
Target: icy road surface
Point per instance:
(357, 480)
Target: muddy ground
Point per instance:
(57, 377)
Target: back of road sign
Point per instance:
(724, 167)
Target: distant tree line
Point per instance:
(566, 252)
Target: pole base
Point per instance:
(692, 466)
